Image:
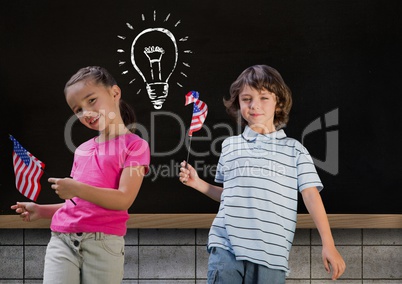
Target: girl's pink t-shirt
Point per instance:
(100, 165)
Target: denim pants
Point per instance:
(85, 258)
(223, 268)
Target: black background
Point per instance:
(333, 54)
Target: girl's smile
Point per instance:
(94, 120)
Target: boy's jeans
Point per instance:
(223, 268)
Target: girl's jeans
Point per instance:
(223, 268)
(85, 258)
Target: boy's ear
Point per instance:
(278, 110)
(279, 107)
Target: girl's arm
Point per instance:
(30, 211)
(120, 199)
(330, 254)
(189, 177)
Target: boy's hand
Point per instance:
(333, 261)
(188, 175)
(28, 211)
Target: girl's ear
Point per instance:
(116, 92)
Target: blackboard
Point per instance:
(341, 58)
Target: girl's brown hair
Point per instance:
(261, 77)
(101, 76)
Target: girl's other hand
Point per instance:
(28, 211)
(63, 187)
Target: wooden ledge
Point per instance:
(203, 221)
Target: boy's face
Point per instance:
(258, 109)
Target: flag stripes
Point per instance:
(200, 111)
(28, 171)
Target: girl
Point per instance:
(87, 244)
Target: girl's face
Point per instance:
(96, 106)
(258, 109)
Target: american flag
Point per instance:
(200, 111)
(28, 171)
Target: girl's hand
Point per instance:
(333, 261)
(188, 175)
(64, 187)
(28, 211)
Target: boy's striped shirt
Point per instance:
(262, 176)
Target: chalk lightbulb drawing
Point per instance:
(154, 54)
(153, 43)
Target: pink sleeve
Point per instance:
(138, 154)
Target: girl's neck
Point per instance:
(112, 133)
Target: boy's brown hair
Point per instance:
(261, 77)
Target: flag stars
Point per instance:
(23, 155)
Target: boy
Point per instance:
(262, 172)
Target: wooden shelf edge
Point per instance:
(355, 221)
(204, 221)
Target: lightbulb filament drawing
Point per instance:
(154, 54)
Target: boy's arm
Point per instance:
(189, 177)
(330, 254)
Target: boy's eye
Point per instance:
(92, 100)
(78, 112)
(245, 99)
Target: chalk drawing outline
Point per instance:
(155, 44)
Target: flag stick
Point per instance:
(188, 151)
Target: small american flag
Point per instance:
(200, 111)
(28, 171)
